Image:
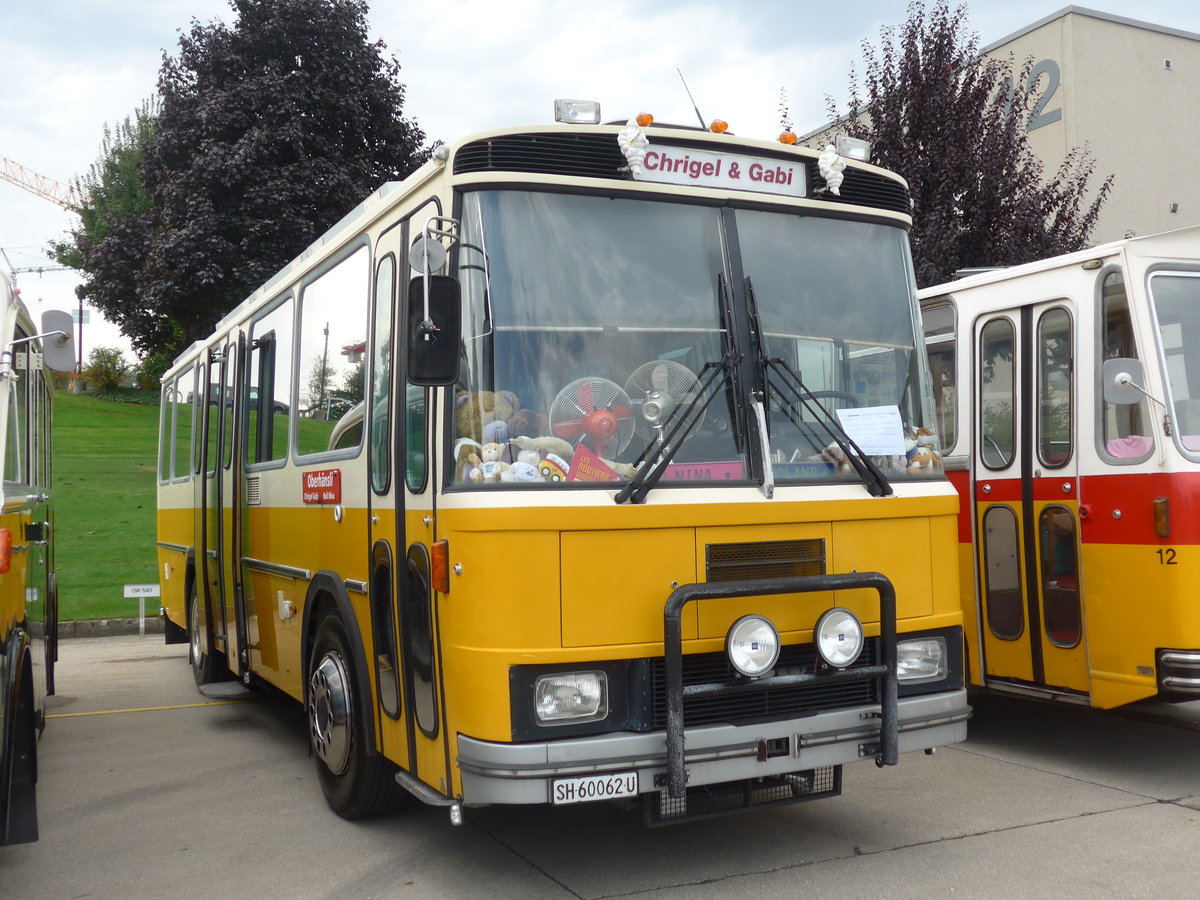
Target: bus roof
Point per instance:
(1181, 242)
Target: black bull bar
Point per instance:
(801, 584)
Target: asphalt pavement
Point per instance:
(149, 789)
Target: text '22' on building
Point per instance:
(28, 588)
(599, 464)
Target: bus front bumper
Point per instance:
(526, 773)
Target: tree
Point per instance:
(954, 125)
(113, 235)
(268, 132)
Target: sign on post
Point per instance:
(141, 592)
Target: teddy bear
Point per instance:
(527, 423)
(921, 460)
(492, 464)
(473, 411)
(834, 456)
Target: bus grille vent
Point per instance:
(574, 155)
(761, 704)
(253, 496)
(757, 560)
(598, 156)
(868, 189)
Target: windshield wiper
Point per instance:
(872, 476)
(712, 377)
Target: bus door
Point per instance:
(1026, 497)
(402, 532)
(207, 503)
(225, 521)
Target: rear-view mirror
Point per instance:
(58, 340)
(434, 331)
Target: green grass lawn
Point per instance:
(104, 491)
(105, 465)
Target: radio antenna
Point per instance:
(693, 99)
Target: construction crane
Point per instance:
(46, 188)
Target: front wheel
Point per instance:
(356, 784)
(204, 666)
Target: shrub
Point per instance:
(148, 373)
(105, 369)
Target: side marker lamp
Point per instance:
(1162, 517)
(752, 645)
(839, 637)
(5, 550)
(439, 564)
(853, 148)
(577, 112)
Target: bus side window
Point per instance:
(380, 403)
(1123, 433)
(1060, 584)
(14, 462)
(1002, 589)
(270, 385)
(177, 427)
(332, 338)
(1056, 382)
(938, 322)
(997, 393)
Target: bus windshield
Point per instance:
(593, 324)
(1176, 297)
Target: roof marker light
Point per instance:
(577, 112)
(788, 137)
(644, 119)
(718, 126)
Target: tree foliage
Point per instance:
(268, 132)
(954, 125)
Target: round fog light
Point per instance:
(752, 645)
(839, 637)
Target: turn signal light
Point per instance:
(1162, 517)
(439, 562)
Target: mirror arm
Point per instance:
(6, 355)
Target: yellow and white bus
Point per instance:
(28, 589)
(635, 497)
(1069, 400)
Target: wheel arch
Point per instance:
(326, 591)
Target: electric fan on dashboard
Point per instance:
(595, 412)
(660, 392)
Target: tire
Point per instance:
(204, 667)
(357, 785)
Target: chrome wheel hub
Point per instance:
(329, 704)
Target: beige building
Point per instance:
(1130, 92)
(1127, 90)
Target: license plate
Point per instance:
(587, 788)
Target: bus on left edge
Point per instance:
(28, 591)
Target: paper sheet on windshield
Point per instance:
(878, 430)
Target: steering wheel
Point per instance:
(834, 395)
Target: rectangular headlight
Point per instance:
(577, 112)
(570, 697)
(921, 659)
(853, 148)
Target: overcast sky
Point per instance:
(68, 67)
